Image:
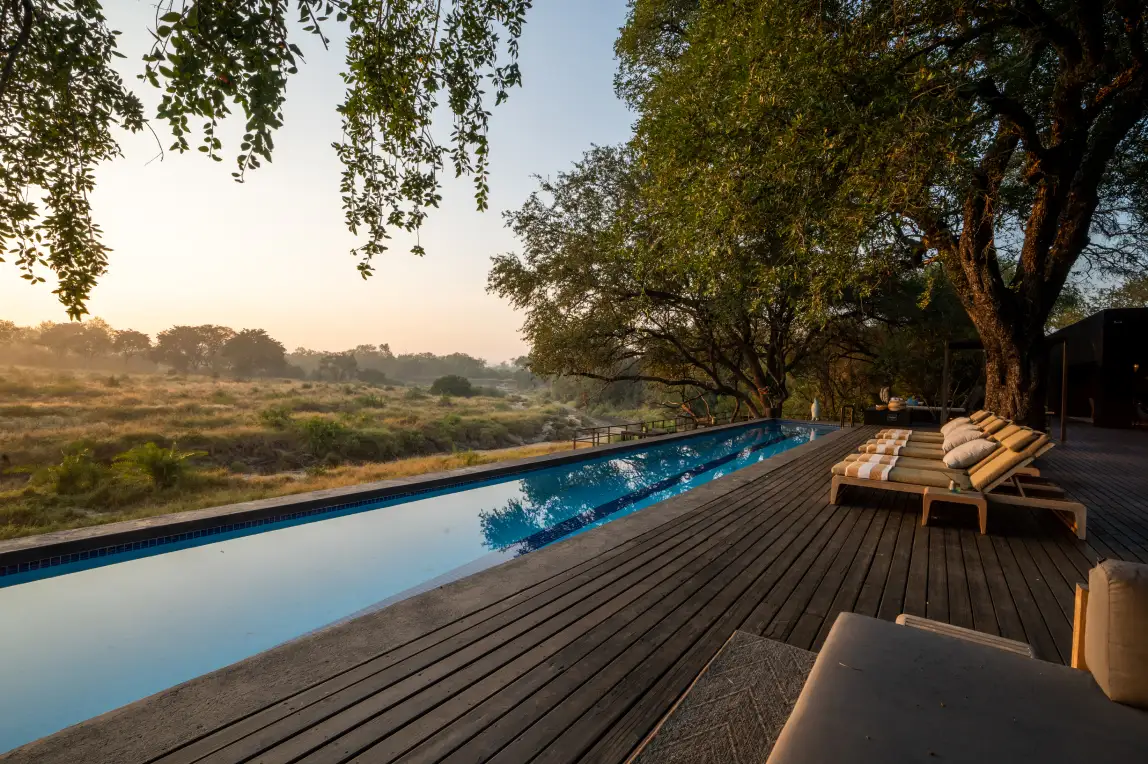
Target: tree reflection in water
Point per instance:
(558, 501)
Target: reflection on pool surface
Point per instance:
(80, 639)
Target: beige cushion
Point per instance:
(1005, 432)
(953, 424)
(961, 436)
(908, 475)
(919, 452)
(996, 425)
(1001, 466)
(1116, 631)
(967, 454)
(1019, 440)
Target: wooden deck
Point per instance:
(581, 665)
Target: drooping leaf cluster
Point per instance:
(407, 61)
(59, 101)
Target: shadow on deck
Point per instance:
(573, 653)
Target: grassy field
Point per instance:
(75, 445)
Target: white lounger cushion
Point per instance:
(967, 454)
(960, 436)
(954, 424)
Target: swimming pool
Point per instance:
(80, 639)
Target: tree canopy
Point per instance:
(407, 60)
(1003, 140)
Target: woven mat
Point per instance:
(736, 708)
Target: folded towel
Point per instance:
(896, 433)
(892, 441)
(868, 470)
(882, 448)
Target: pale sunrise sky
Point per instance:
(193, 247)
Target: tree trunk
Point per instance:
(1016, 371)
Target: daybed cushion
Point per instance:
(967, 454)
(953, 424)
(998, 467)
(1116, 631)
(920, 452)
(885, 693)
(979, 416)
(896, 474)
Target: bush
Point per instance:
(77, 472)
(372, 376)
(163, 467)
(276, 417)
(370, 401)
(112, 381)
(452, 384)
(414, 394)
(323, 437)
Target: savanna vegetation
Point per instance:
(81, 448)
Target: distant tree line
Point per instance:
(213, 349)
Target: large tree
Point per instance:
(407, 61)
(254, 351)
(1004, 139)
(192, 348)
(617, 286)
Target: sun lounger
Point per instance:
(996, 479)
(883, 693)
(990, 425)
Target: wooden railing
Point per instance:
(617, 433)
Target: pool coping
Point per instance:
(141, 731)
(45, 550)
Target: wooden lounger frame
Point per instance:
(1079, 618)
(1062, 508)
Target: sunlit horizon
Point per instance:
(190, 246)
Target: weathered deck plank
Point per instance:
(581, 665)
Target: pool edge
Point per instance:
(50, 549)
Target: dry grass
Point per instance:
(260, 438)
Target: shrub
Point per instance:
(276, 417)
(414, 394)
(77, 472)
(164, 467)
(112, 381)
(469, 458)
(370, 401)
(325, 436)
(452, 384)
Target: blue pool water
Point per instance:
(80, 639)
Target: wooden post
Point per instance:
(1064, 391)
(945, 386)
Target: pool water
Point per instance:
(80, 639)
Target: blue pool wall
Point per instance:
(30, 557)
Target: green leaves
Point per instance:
(405, 58)
(59, 101)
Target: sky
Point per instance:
(190, 246)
